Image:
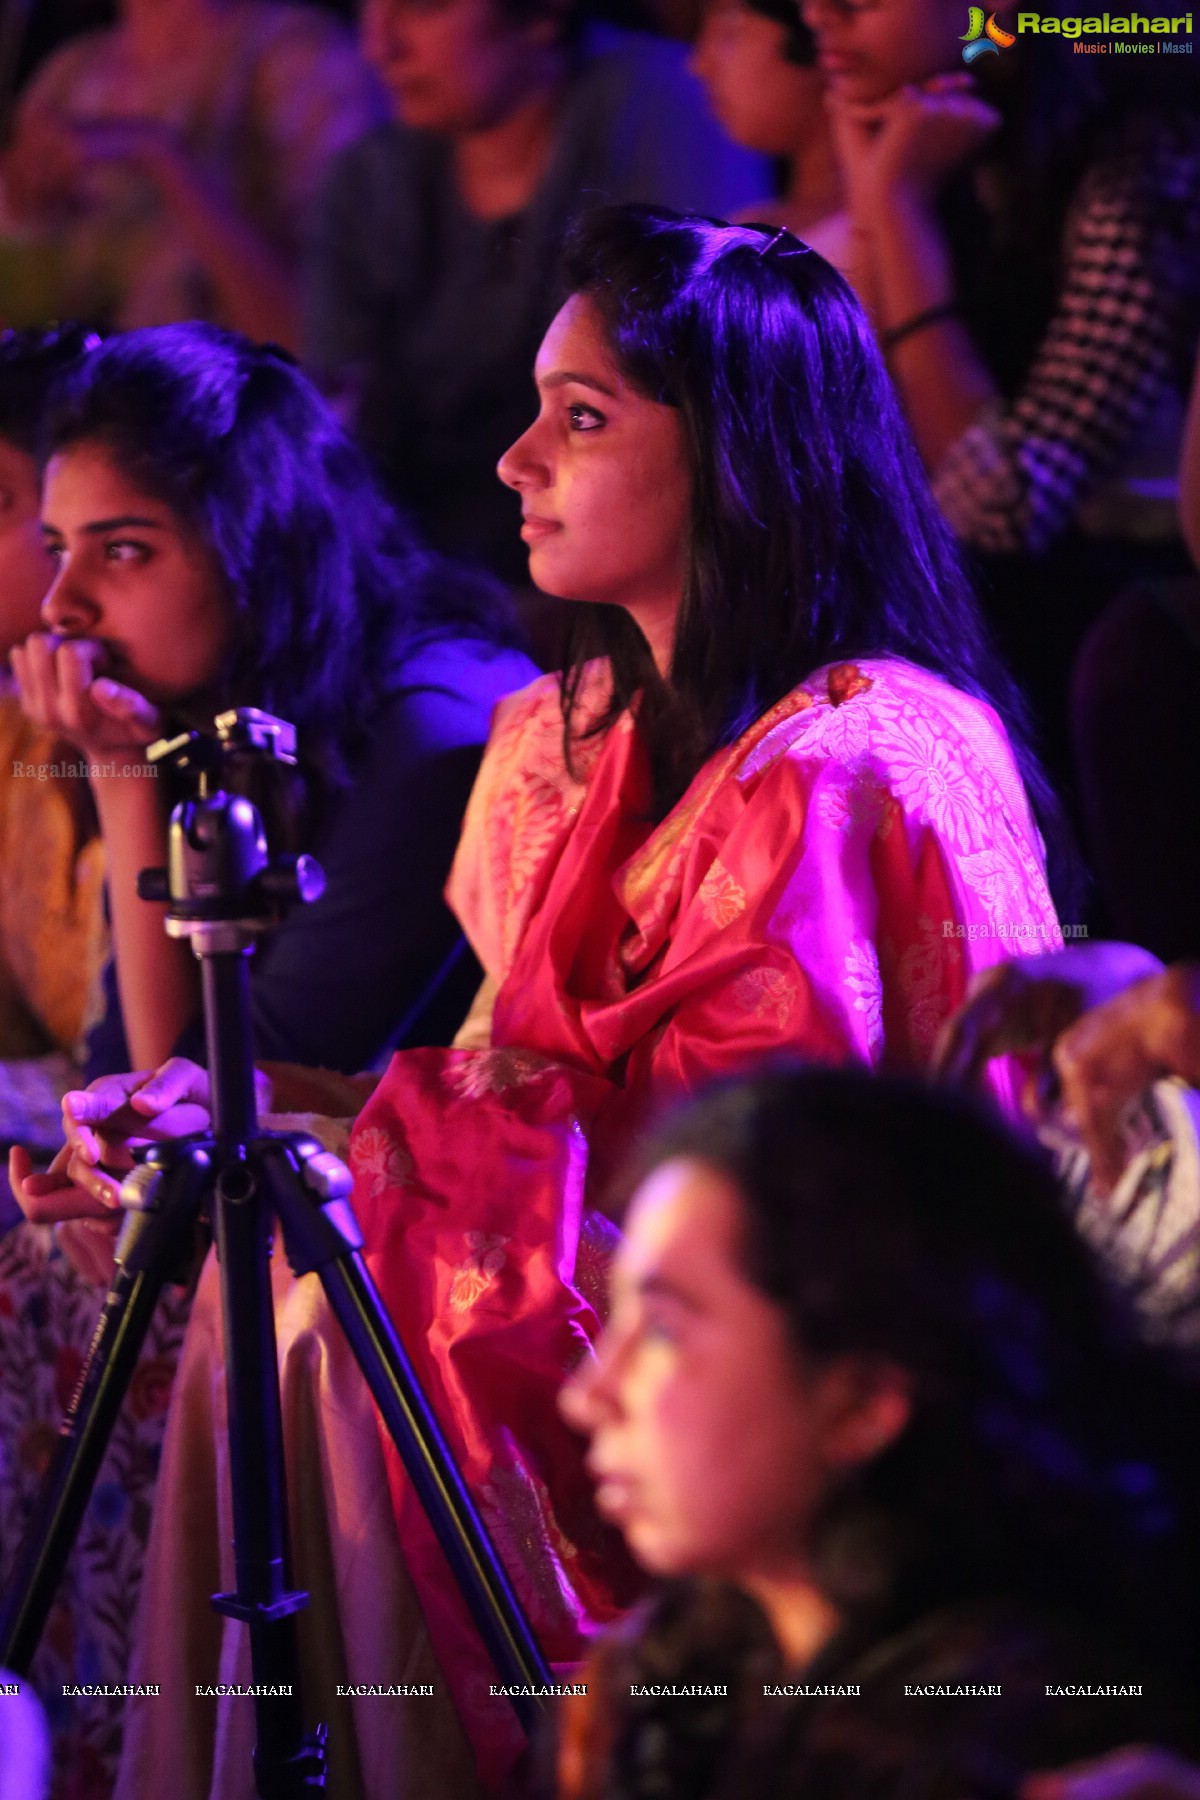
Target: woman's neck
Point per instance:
(814, 186)
(500, 167)
(802, 1619)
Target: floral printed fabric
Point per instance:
(47, 1315)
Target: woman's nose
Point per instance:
(67, 609)
(588, 1396)
(519, 467)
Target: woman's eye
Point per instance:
(126, 550)
(584, 418)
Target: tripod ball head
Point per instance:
(219, 867)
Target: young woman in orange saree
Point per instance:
(776, 811)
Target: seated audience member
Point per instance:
(172, 159)
(772, 804)
(1102, 1020)
(188, 582)
(1111, 1042)
(216, 541)
(431, 278)
(757, 59)
(51, 866)
(1027, 235)
(865, 1407)
(1134, 704)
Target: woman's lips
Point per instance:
(614, 1494)
(533, 528)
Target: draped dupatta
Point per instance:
(825, 888)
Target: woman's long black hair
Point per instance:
(813, 533)
(329, 587)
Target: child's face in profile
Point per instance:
(763, 100)
(713, 1439)
(26, 570)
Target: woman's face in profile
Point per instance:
(712, 1439)
(868, 50)
(451, 66)
(760, 98)
(604, 480)
(132, 577)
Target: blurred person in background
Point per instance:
(1134, 704)
(432, 275)
(52, 934)
(164, 167)
(1027, 237)
(867, 1410)
(757, 60)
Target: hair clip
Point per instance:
(796, 248)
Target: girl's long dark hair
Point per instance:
(329, 587)
(813, 534)
(1049, 1472)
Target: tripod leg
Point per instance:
(325, 1238)
(285, 1762)
(149, 1245)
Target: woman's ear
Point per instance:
(865, 1404)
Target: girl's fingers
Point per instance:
(178, 1080)
(106, 1097)
(126, 705)
(103, 1189)
(46, 1199)
(38, 688)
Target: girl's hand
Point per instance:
(105, 1124)
(59, 688)
(901, 149)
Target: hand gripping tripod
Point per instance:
(223, 890)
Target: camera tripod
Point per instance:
(223, 890)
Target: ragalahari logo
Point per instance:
(983, 36)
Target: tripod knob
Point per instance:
(153, 884)
(294, 878)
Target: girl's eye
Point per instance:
(55, 552)
(584, 418)
(126, 550)
(659, 1329)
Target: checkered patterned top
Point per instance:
(1016, 478)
